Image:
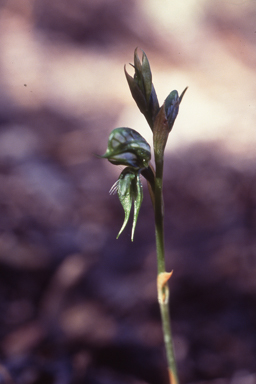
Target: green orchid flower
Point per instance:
(127, 147)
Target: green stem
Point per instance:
(163, 291)
(159, 217)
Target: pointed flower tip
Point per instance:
(136, 50)
(172, 103)
(142, 88)
(98, 156)
(182, 94)
(129, 190)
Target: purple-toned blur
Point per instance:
(78, 306)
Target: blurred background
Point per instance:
(76, 305)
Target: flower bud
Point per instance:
(172, 103)
(164, 122)
(142, 89)
(127, 147)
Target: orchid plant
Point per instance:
(128, 148)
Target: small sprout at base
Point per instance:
(162, 287)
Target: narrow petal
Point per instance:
(147, 76)
(125, 194)
(138, 197)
